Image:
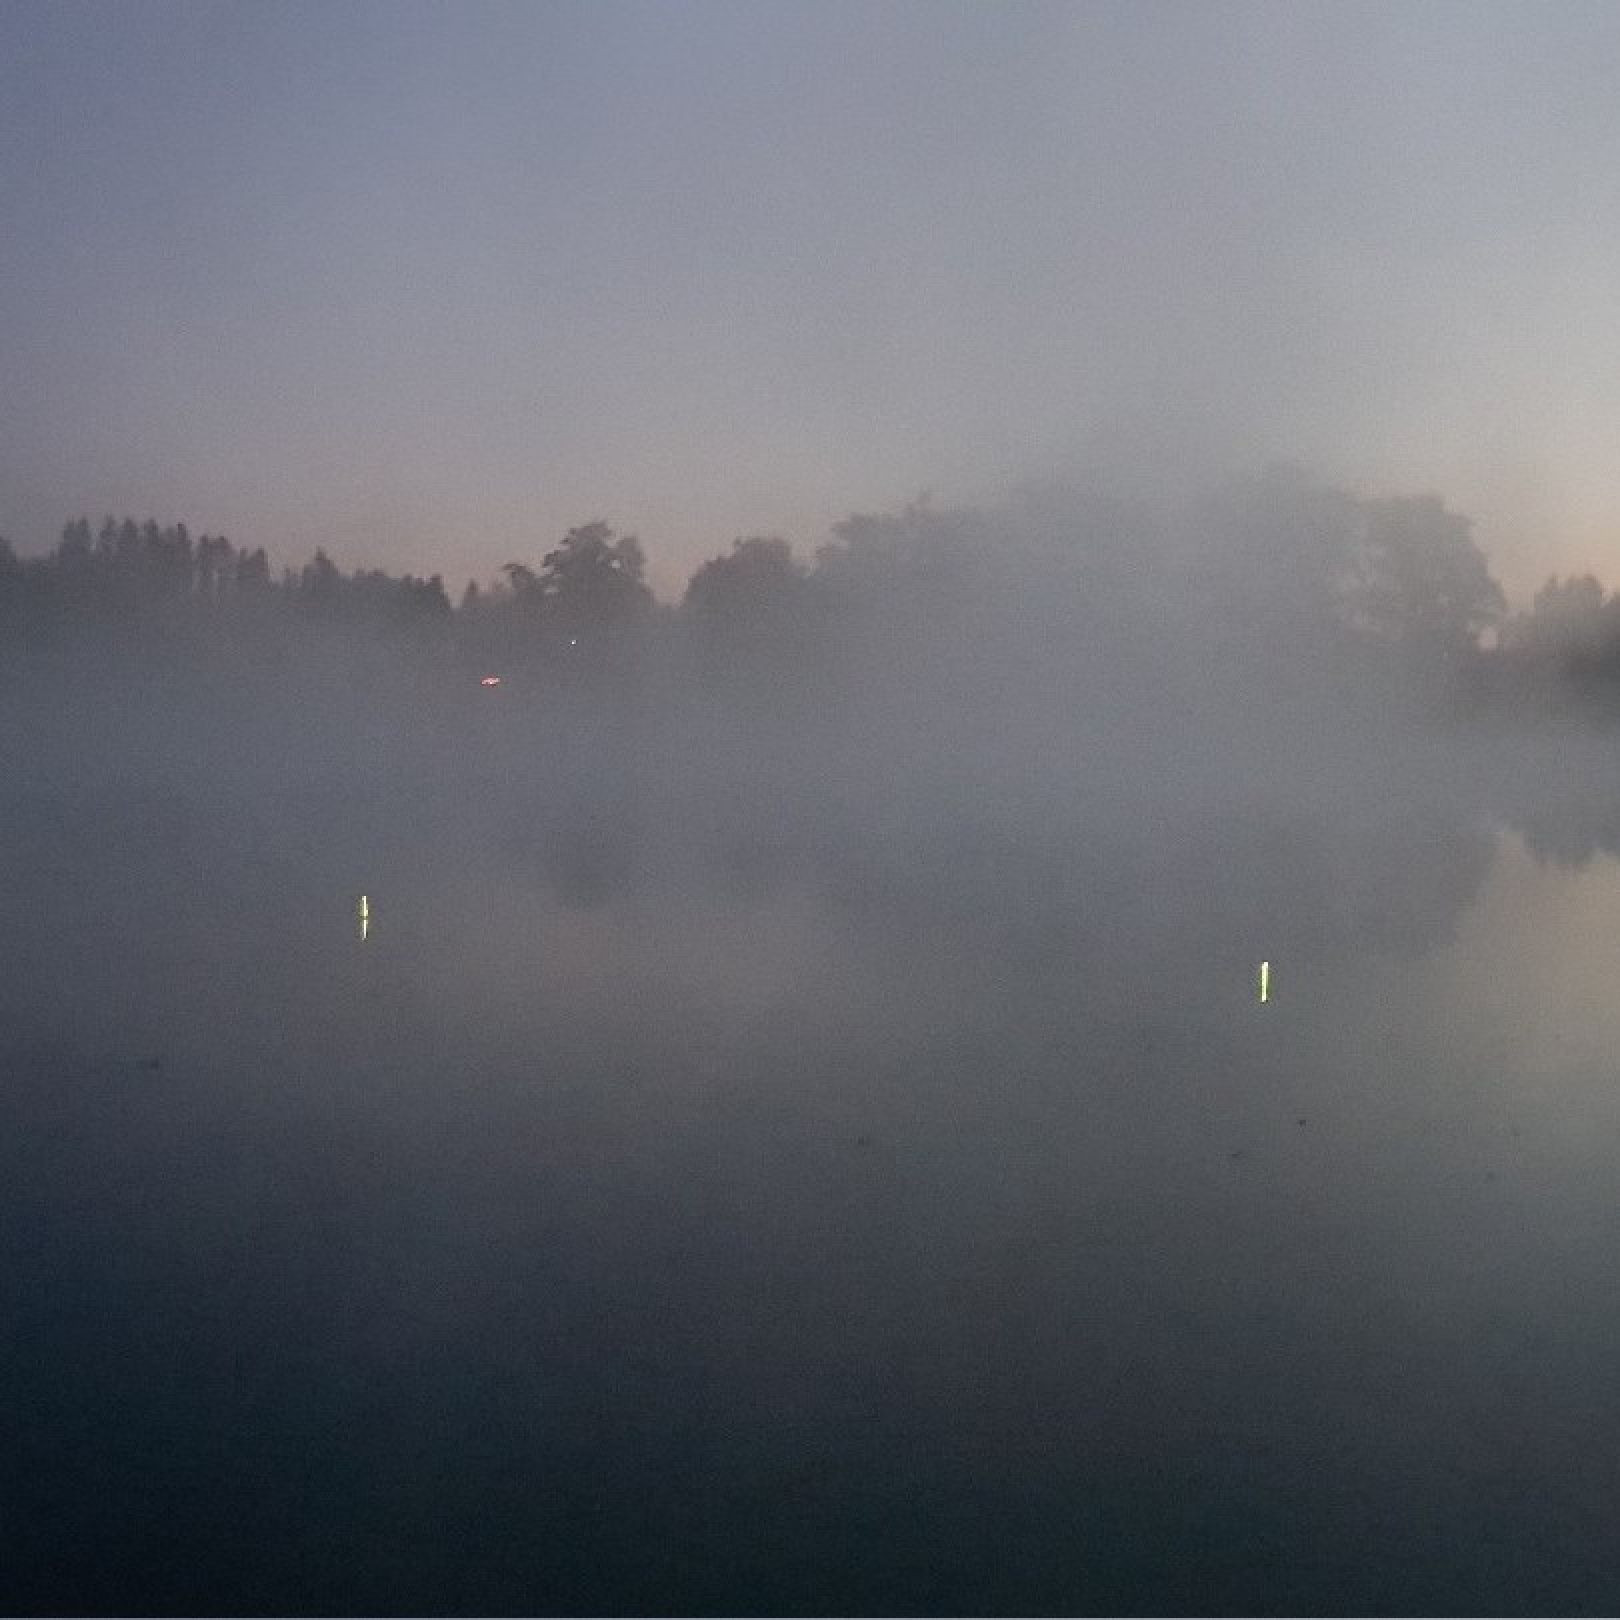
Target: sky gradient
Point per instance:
(428, 284)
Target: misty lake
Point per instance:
(772, 1253)
(809, 810)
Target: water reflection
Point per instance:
(1570, 832)
(686, 1253)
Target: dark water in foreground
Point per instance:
(729, 1259)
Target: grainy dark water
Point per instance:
(768, 1254)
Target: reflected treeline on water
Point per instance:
(1571, 832)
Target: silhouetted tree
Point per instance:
(1569, 620)
(74, 549)
(214, 560)
(522, 582)
(1417, 578)
(748, 609)
(593, 582)
(320, 585)
(252, 572)
(1342, 592)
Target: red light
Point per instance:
(490, 680)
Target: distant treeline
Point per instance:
(1276, 573)
(1027, 721)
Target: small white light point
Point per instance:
(1265, 981)
(363, 911)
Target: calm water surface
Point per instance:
(745, 1256)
